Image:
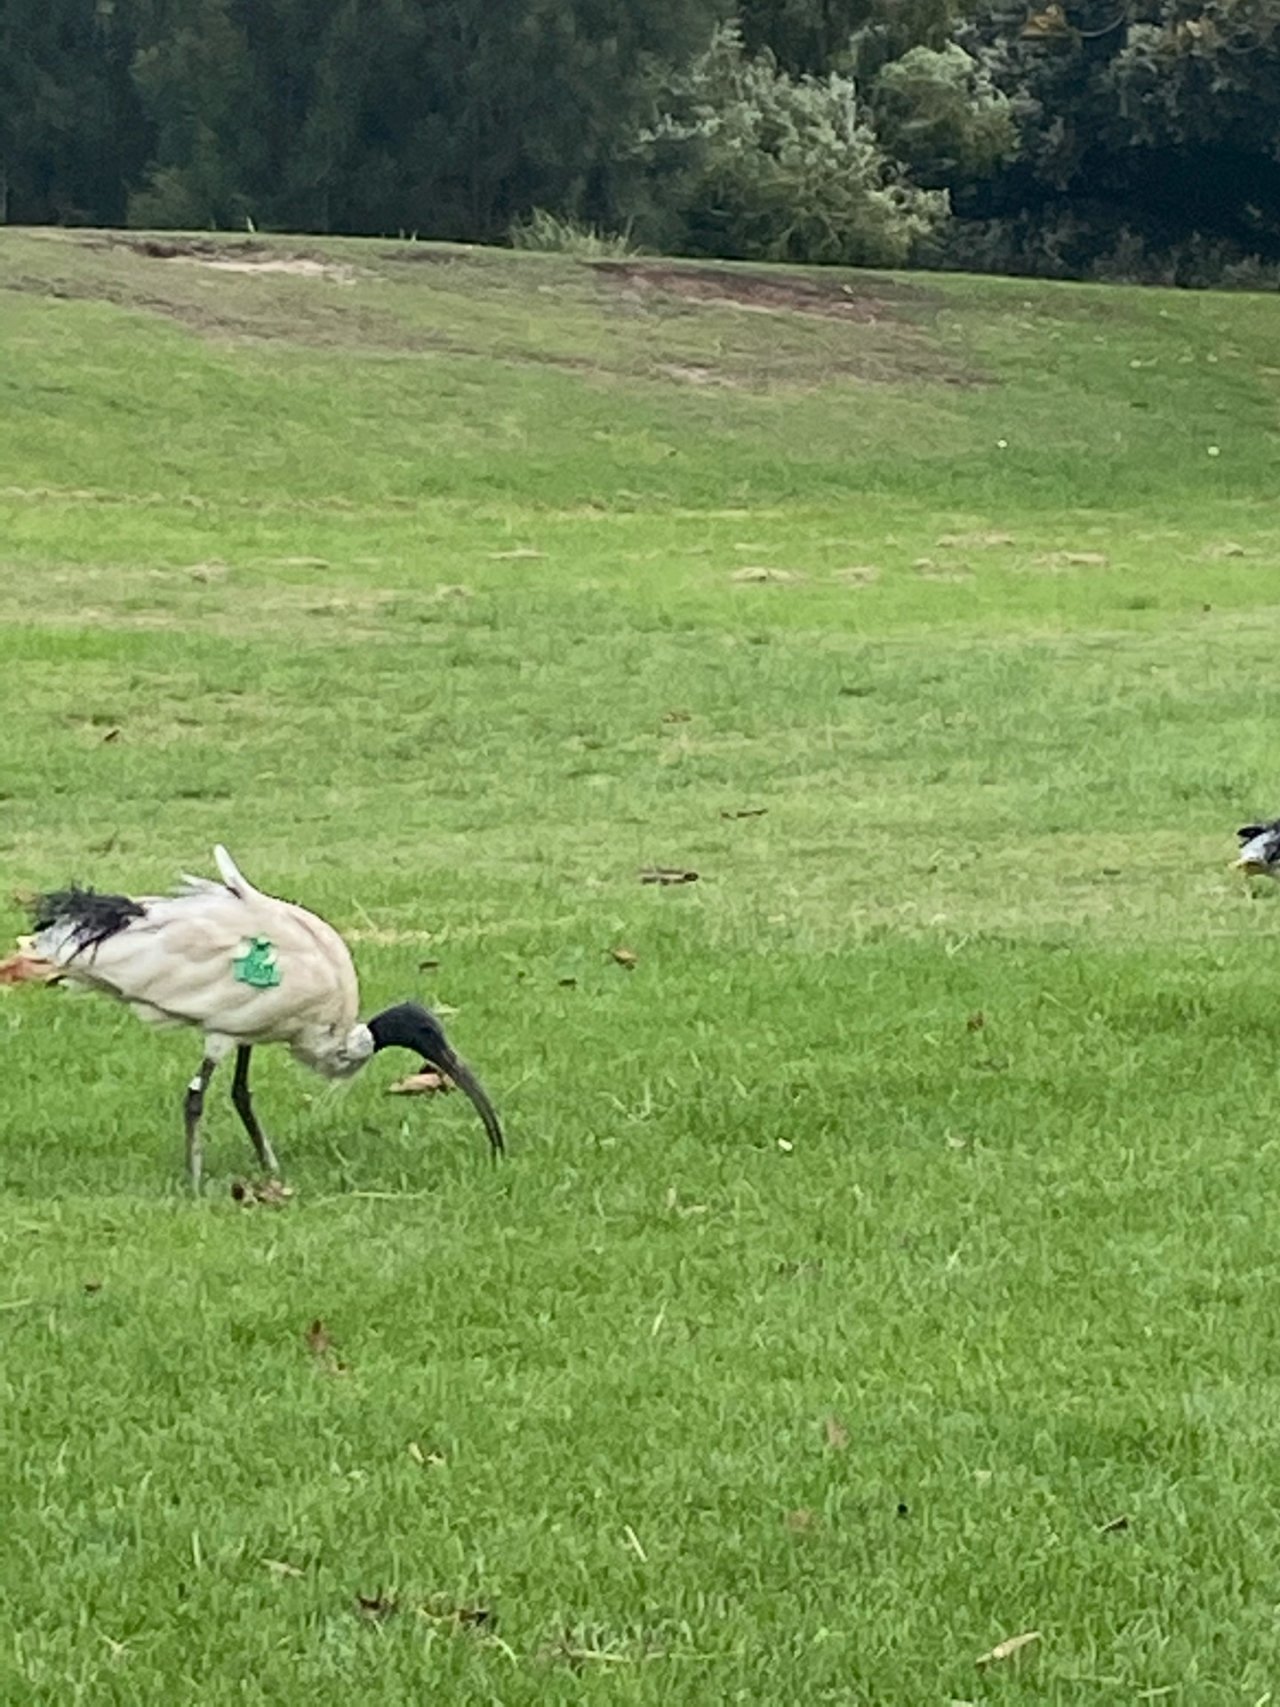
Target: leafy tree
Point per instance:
(71, 130)
(1142, 126)
(939, 113)
(196, 81)
(368, 115)
(756, 164)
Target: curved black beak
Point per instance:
(466, 1081)
(409, 1026)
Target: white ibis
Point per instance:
(243, 968)
(1260, 850)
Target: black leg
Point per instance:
(192, 1109)
(244, 1108)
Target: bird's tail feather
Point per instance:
(69, 921)
(231, 875)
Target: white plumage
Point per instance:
(245, 969)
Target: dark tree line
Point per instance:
(1124, 137)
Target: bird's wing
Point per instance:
(192, 957)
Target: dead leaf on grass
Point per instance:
(800, 1520)
(1114, 1525)
(25, 966)
(1008, 1648)
(837, 1434)
(857, 575)
(271, 1193)
(320, 1345)
(442, 1611)
(759, 572)
(281, 1568)
(625, 957)
(424, 1084)
(668, 874)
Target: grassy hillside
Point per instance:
(885, 1265)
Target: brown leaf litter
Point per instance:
(441, 1610)
(424, 1084)
(320, 1345)
(25, 966)
(270, 1193)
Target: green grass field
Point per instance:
(886, 1264)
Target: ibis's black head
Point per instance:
(1260, 849)
(410, 1026)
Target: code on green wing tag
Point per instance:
(256, 964)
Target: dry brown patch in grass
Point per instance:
(833, 298)
(887, 343)
(238, 257)
(228, 289)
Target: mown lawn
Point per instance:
(885, 1265)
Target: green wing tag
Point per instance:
(256, 963)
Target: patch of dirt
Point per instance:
(834, 298)
(237, 257)
(889, 339)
